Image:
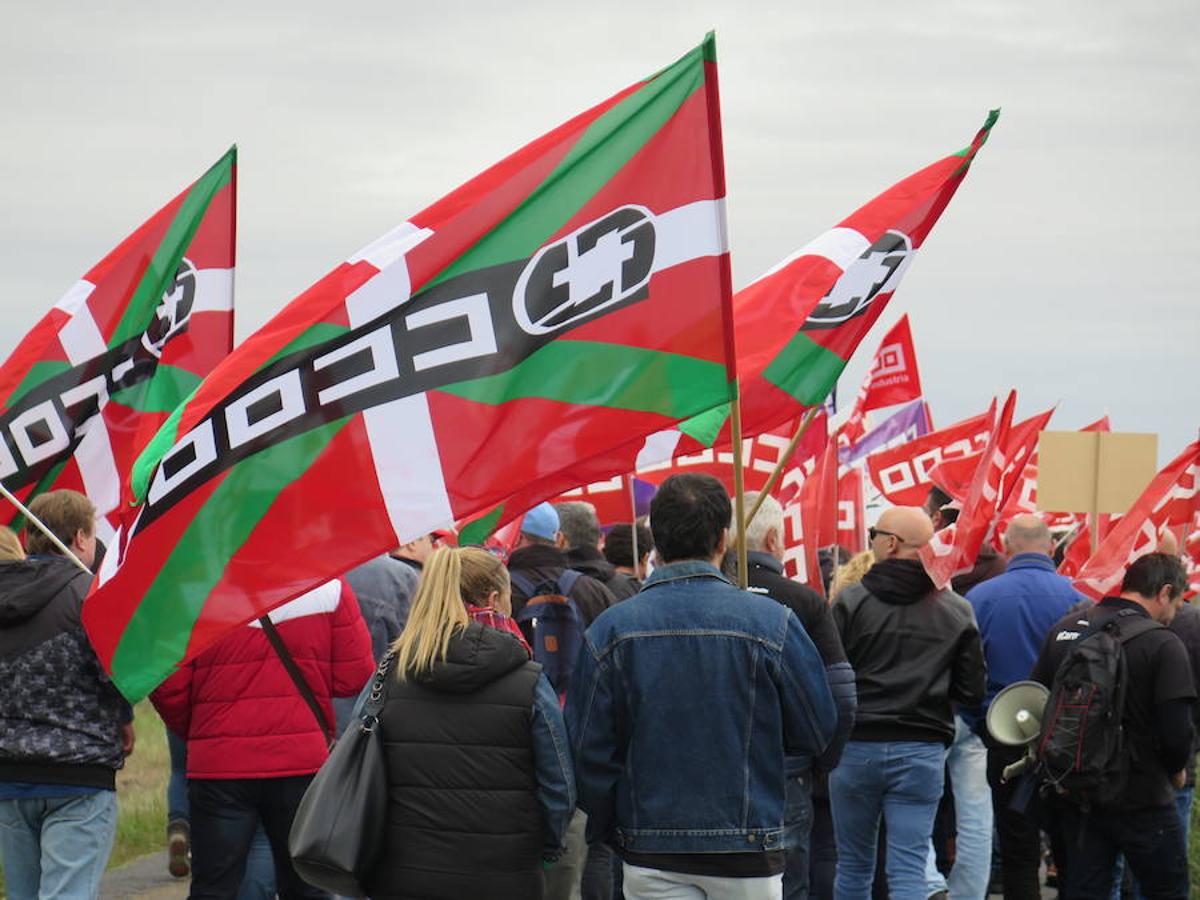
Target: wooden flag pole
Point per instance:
(777, 472)
(42, 527)
(739, 487)
(633, 524)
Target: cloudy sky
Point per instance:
(1064, 267)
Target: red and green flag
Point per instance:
(570, 298)
(799, 324)
(87, 388)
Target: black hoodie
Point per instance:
(915, 652)
(60, 716)
(463, 817)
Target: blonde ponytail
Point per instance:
(437, 613)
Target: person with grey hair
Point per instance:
(1015, 611)
(580, 528)
(764, 557)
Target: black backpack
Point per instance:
(1081, 750)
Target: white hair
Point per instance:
(769, 517)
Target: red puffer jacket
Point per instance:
(240, 712)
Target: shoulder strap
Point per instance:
(566, 581)
(297, 677)
(526, 586)
(375, 700)
(1135, 628)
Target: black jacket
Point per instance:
(591, 562)
(766, 577)
(1186, 624)
(915, 652)
(463, 816)
(541, 562)
(60, 716)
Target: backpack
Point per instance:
(1081, 750)
(551, 623)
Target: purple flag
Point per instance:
(910, 421)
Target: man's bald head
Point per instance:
(901, 532)
(1027, 533)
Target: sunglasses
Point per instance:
(874, 532)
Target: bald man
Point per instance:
(1015, 612)
(916, 652)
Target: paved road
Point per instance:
(145, 879)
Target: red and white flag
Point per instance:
(902, 474)
(811, 516)
(953, 550)
(893, 378)
(852, 512)
(1171, 499)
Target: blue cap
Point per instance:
(541, 521)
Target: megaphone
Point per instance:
(1015, 716)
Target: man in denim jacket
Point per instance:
(686, 699)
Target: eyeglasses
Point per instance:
(874, 532)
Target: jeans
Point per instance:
(822, 850)
(1150, 839)
(598, 872)
(56, 846)
(177, 799)
(1183, 805)
(258, 883)
(225, 815)
(655, 884)
(797, 826)
(967, 761)
(1019, 834)
(900, 781)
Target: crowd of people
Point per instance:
(606, 715)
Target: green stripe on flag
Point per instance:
(161, 270)
(17, 522)
(310, 337)
(599, 154)
(706, 427)
(38, 372)
(158, 633)
(612, 375)
(475, 532)
(166, 389)
(805, 370)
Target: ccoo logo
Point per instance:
(606, 262)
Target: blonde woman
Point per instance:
(852, 572)
(10, 547)
(480, 781)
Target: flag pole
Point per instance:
(42, 527)
(633, 522)
(784, 457)
(712, 98)
(739, 487)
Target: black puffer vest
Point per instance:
(463, 819)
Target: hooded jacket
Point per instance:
(541, 562)
(60, 716)
(915, 652)
(480, 782)
(591, 562)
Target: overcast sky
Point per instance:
(1066, 266)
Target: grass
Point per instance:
(141, 792)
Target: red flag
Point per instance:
(818, 502)
(852, 513)
(954, 549)
(1171, 498)
(901, 473)
(954, 476)
(893, 379)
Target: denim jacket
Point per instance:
(684, 703)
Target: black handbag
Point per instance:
(340, 824)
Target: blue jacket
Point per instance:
(1015, 611)
(685, 701)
